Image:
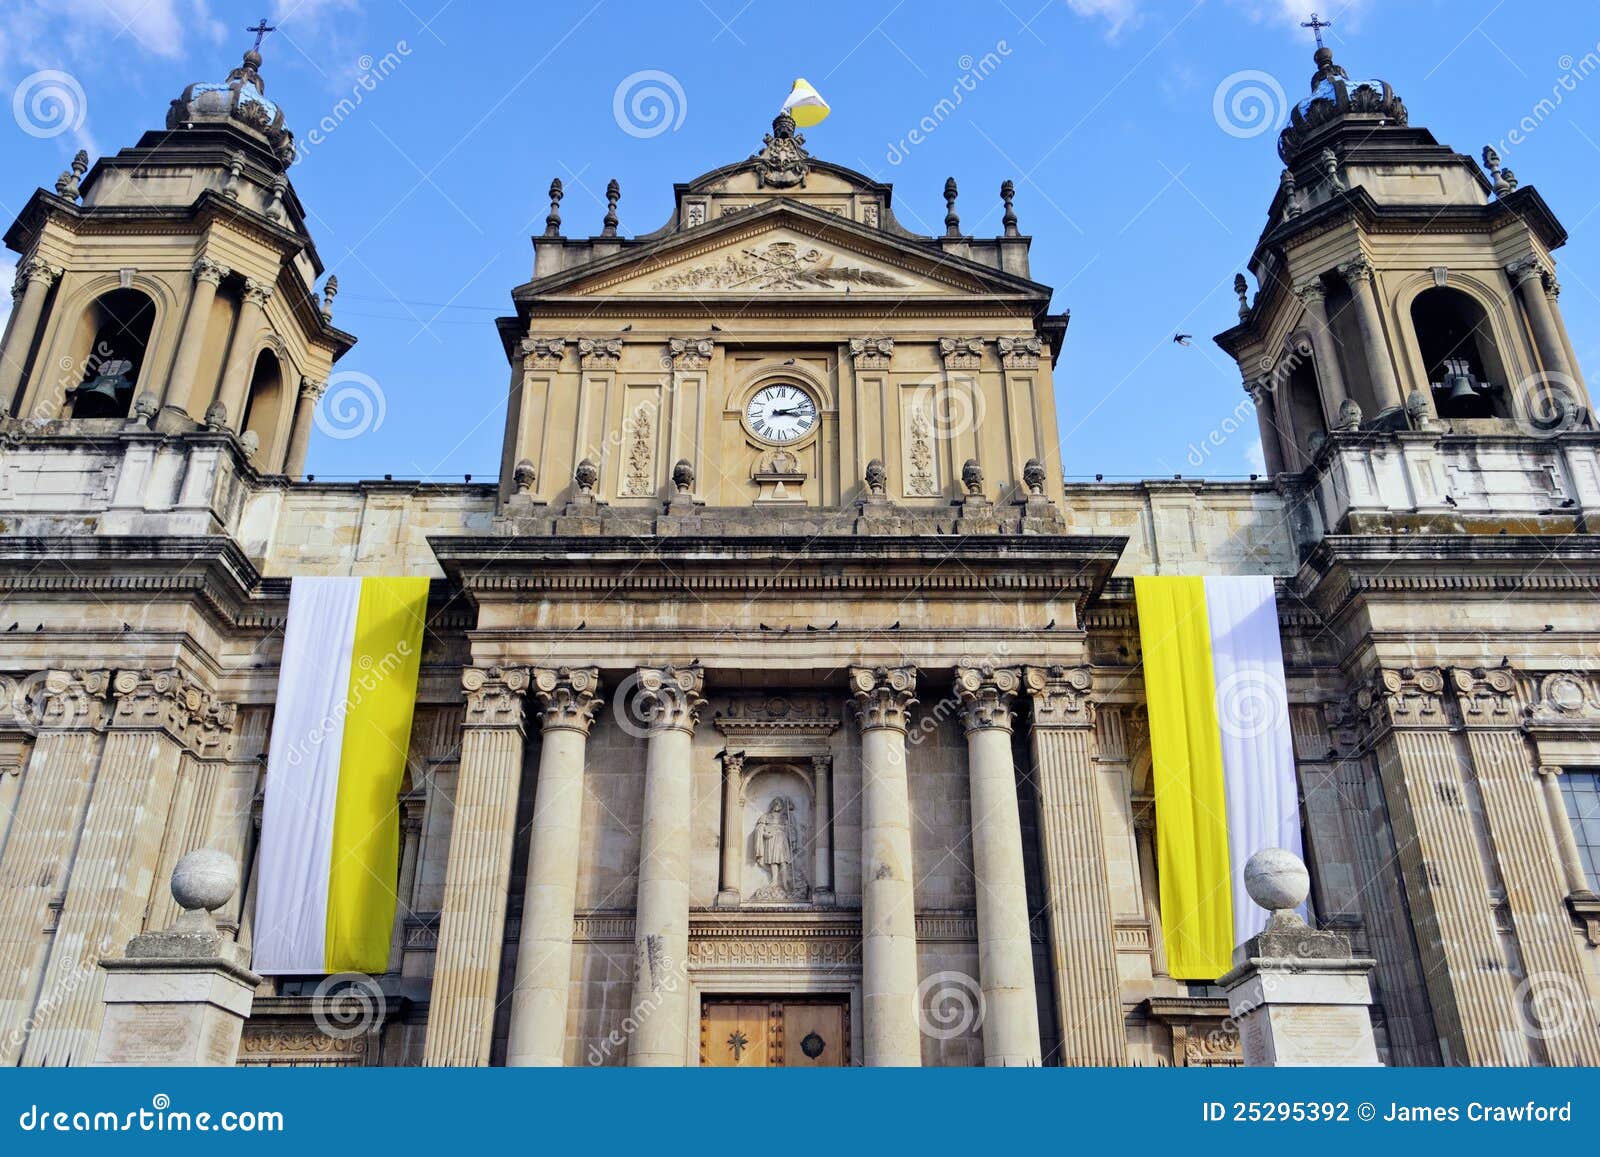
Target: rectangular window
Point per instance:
(1581, 789)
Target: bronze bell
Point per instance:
(1459, 382)
(106, 396)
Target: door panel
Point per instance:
(735, 1035)
(807, 1032)
(813, 1035)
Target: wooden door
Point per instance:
(755, 1033)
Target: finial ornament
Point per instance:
(552, 221)
(261, 31)
(1317, 24)
(1242, 288)
(613, 195)
(1504, 179)
(330, 290)
(1009, 219)
(67, 182)
(952, 223)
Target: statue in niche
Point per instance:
(778, 851)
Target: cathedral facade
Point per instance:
(782, 703)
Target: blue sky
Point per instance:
(1141, 200)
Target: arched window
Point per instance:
(1459, 353)
(264, 402)
(1299, 413)
(120, 322)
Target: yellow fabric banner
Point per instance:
(364, 866)
(1187, 780)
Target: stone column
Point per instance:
(1300, 996)
(1369, 319)
(208, 274)
(1082, 931)
(1325, 353)
(181, 996)
(892, 1034)
(730, 871)
(1561, 825)
(311, 390)
(1266, 403)
(568, 700)
(13, 758)
(35, 277)
(669, 702)
(1527, 274)
(472, 918)
(68, 711)
(1005, 948)
(115, 863)
(236, 373)
(411, 813)
(822, 826)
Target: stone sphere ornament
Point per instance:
(204, 879)
(1277, 880)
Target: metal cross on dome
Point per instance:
(1316, 24)
(263, 28)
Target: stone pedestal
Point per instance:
(180, 997)
(1299, 996)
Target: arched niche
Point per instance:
(1460, 356)
(778, 832)
(264, 406)
(111, 343)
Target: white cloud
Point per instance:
(1116, 13)
(1291, 14)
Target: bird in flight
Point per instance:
(1183, 338)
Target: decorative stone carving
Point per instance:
(872, 353)
(257, 293)
(609, 223)
(1241, 288)
(1061, 696)
(638, 478)
(599, 352)
(494, 695)
(1019, 353)
(922, 480)
(877, 478)
(690, 353)
(961, 353)
(1349, 415)
(1291, 197)
(1033, 477)
(523, 476)
(1008, 215)
(972, 477)
(884, 696)
(777, 265)
(1487, 696)
(986, 694)
(36, 269)
(568, 697)
(778, 849)
(1565, 696)
(780, 476)
(552, 219)
(952, 222)
(869, 214)
(545, 353)
(1331, 171)
(668, 698)
(1407, 697)
(1525, 269)
(586, 476)
(683, 477)
(56, 699)
(778, 723)
(783, 161)
(210, 271)
(216, 416)
(694, 213)
(67, 184)
(1356, 270)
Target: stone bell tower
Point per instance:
(1402, 289)
(172, 287)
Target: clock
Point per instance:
(781, 413)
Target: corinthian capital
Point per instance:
(986, 695)
(38, 270)
(1061, 696)
(60, 700)
(668, 698)
(257, 293)
(1358, 269)
(312, 389)
(1311, 292)
(1019, 353)
(1525, 269)
(568, 697)
(600, 352)
(494, 695)
(689, 353)
(884, 696)
(543, 352)
(210, 271)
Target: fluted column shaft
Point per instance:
(568, 700)
(1561, 824)
(1005, 948)
(472, 917)
(1369, 319)
(236, 373)
(1324, 350)
(305, 413)
(730, 870)
(1527, 275)
(889, 975)
(668, 700)
(37, 276)
(1082, 932)
(208, 274)
(1266, 403)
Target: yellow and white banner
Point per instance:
(330, 826)
(1222, 768)
(805, 104)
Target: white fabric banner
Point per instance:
(290, 931)
(1253, 718)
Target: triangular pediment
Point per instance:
(782, 249)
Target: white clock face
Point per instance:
(781, 413)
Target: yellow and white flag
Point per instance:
(330, 828)
(1222, 768)
(805, 104)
